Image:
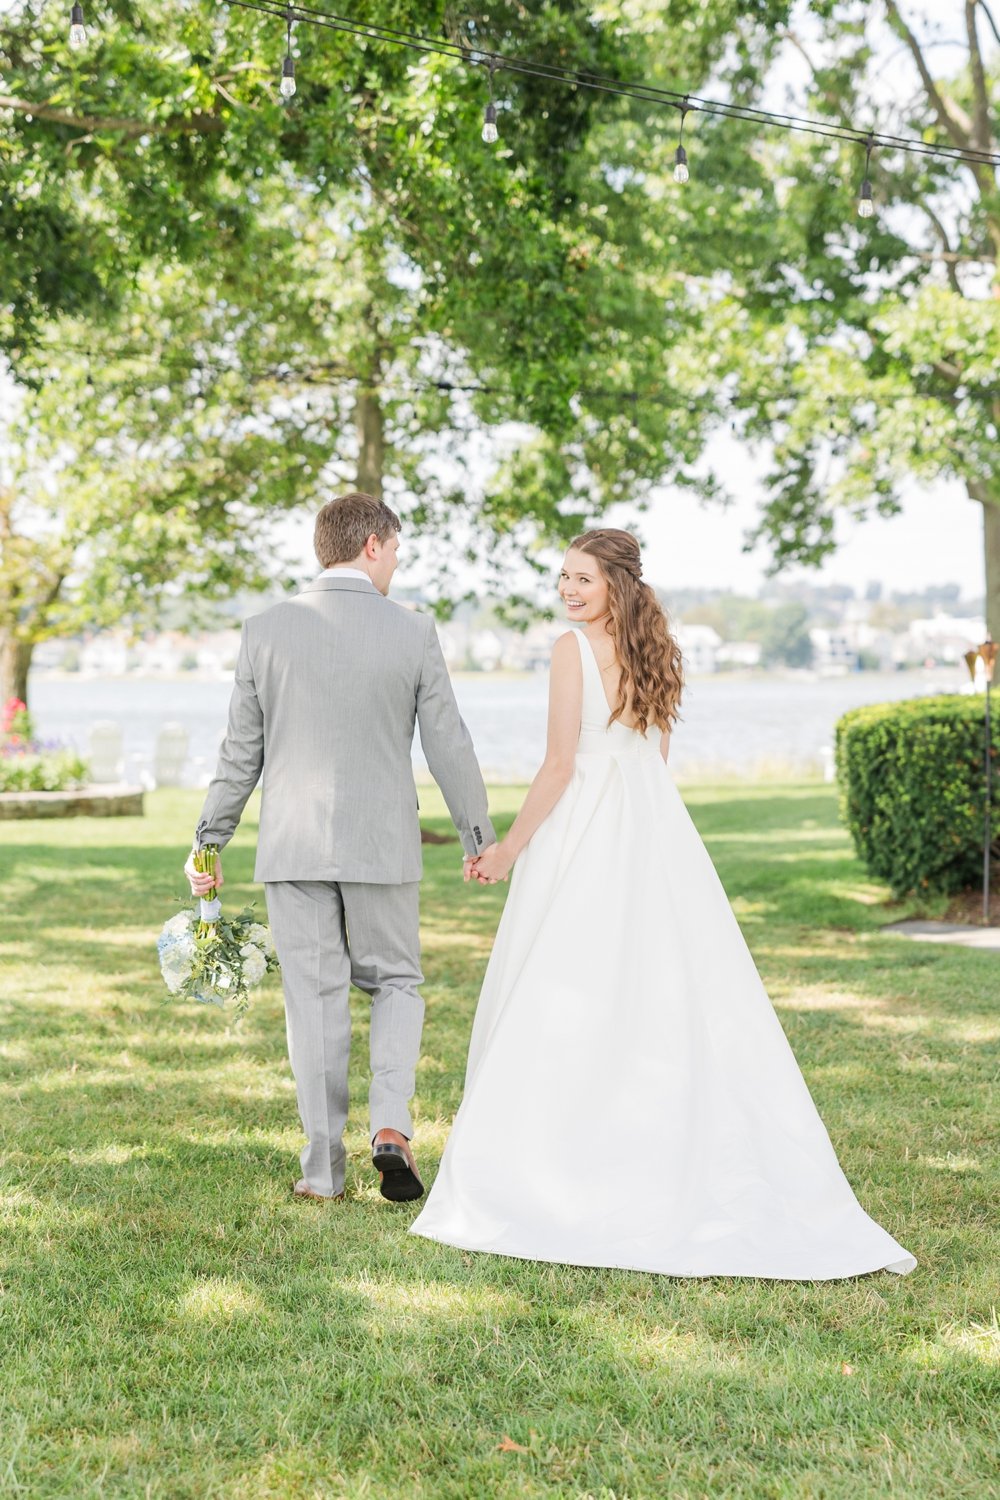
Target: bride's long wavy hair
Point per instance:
(652, 672)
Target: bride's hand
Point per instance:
(493, 864)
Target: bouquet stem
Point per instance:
(204, 863)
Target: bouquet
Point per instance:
(214, 959)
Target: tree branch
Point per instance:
(980, 93)
(989, 16)
(830, 95)
(949, 254)
(198, 123)
(948, 119)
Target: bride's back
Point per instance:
(597, 735)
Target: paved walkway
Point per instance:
(947, 932)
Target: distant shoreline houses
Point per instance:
(853, 645)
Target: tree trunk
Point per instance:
(991, 537)
(15, 660)
(371, 443)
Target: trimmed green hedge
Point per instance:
(911, 789)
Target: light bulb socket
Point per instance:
(681, 173)
(866, 207)
(490, 132)
(288, 77)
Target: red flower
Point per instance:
(13, 710)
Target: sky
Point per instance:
(937, 538)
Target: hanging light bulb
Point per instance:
(77, 30)
(490, 132)
(681, 173)
(866, 207)
(287, 85)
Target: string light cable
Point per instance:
(582, 78)
(576, 78)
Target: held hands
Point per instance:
(492, 865)
(201, 883)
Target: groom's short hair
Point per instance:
(344, 525)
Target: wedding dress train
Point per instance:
(631, 1099)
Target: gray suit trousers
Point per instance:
(330, 934)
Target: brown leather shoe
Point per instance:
(398, 1178)
(301, 1189)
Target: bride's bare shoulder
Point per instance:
(565, 649)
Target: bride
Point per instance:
(630, 1098)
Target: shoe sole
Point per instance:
(400, 1184)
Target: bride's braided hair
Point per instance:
(652, 674)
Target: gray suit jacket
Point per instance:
(328, 687)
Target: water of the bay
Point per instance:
(732, 725)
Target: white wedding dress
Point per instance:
(630, 1098)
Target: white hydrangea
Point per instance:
(176, 948)
(179, 925)
(174, 974)
(260, 935)
(254, 964)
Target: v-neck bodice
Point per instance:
(597, 736)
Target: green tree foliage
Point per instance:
(784, 637)
(865, 353)
(415, 292)
(114, 488)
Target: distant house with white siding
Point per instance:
(834, 650)
(737, 655)
(700, 646)
(945, 638)
(105, 655)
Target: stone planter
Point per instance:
(112, 801)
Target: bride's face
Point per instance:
(582, 587)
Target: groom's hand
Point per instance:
(490, 866)
(202, 881)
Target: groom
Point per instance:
(328, 686)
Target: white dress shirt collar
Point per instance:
(339, 572)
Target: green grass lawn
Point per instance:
(172, 1324)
